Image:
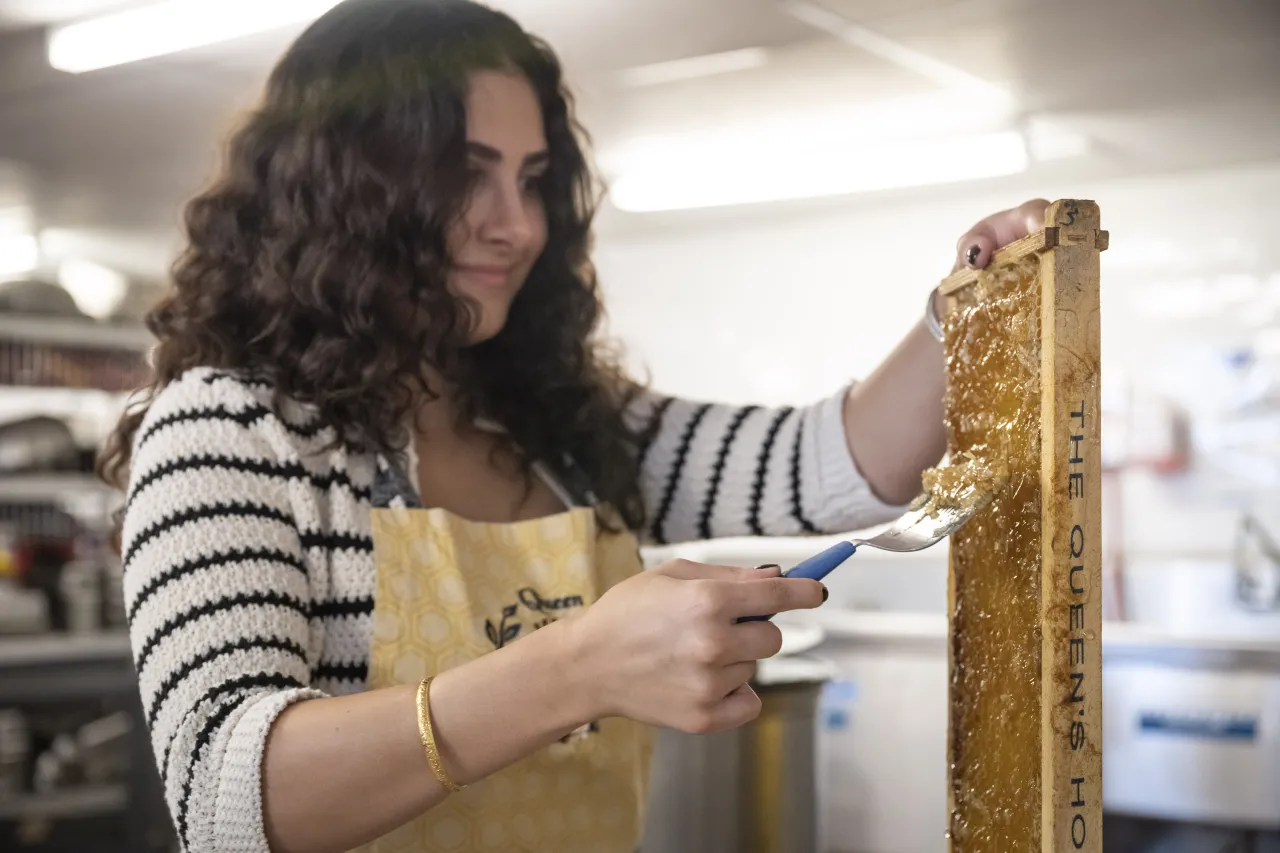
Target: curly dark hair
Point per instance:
(317, 261)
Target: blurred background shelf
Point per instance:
(88, 801)
(52, 487)
(54, 649)
(89, 413)
(74, 333)
(56, 397)
(66, 667)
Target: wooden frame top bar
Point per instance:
(1033, 243)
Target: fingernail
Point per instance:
(768, 566)
(972, 255)
(826, 593)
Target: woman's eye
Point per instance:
(533, 183)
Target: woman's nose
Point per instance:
(510, 216)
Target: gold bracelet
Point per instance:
(428, 736)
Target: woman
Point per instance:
(383, 444)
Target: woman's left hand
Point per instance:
(981, 241)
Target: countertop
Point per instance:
(1120, 640)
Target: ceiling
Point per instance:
(17, 14)
(1159, 85)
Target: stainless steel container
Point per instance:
(750, 790)
(36, 444)
(15, 746)
(80, 584)
(1257, 563)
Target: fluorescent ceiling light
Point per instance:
(14, 219)
(169, 27)
(19, 254)
(96, 289)
(769, 134)
(746, 174)
(693, 68)
(1048, 139)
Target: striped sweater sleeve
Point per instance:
(712, 470)
(217, 597)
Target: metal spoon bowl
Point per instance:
(916, 529)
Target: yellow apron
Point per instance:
(450, 590)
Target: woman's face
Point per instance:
(503, 227)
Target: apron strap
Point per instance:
(568, 481)
(392, 486)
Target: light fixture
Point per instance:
(747, 173)
(169, 27)
(19, 254)
(1048, 139)
(693, 68)
(773, 132)
(96, 289)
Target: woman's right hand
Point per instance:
(665, 647)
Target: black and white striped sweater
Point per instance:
(249, 572)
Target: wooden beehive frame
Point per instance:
(1070, 612)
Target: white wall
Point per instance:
(771, 310)
(783, 304)
(786, 302)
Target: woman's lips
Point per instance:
(486, 276)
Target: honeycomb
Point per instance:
(962, 482)
(994, 437)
